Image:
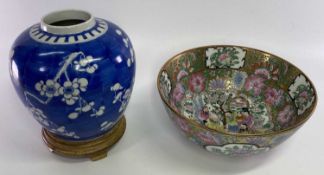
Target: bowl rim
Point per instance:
(291, 128)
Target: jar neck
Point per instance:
(67, 22)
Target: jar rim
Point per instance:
(84, 18)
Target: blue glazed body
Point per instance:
(77, 90)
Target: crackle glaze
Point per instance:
(75, 79)
(235, 100)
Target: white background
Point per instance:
(292, 29)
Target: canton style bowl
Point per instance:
(75, 73)
(235, 100)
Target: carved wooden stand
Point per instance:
(94, 149)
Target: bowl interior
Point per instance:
(236, 89)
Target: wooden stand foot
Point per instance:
(94, 149)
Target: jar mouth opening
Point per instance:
(67, 22)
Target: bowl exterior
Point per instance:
(77, 86)
(225, 144)
(235, 100)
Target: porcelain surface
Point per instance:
(76, 84)
(235, 100)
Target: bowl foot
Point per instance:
(94, 149)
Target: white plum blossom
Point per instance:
(129, 62)
(125, 100)
(100, 111)
(118, 32)
(62, 131)
(71, 90)
(73, 115)
(127, 94)
(118, 97)
(87, 107)
(125, 40)
(132, 54)
(116, 87)
(121, 95)
(48, 88)
(86, 64)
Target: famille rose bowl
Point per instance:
(235, 100)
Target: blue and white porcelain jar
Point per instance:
(75, 73)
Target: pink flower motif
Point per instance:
(302, 98)
(197, 82)
(206, 138)
(178, 93)
(181, 74)
(204, 114)
(304, 94)
(273, 96)
(223, 57)
(263, 72)
(285, 115)
(254, 83)
(183, 125)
